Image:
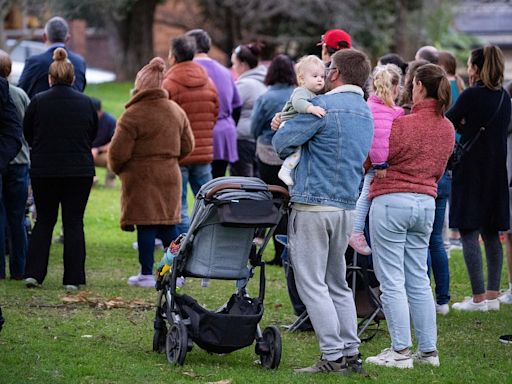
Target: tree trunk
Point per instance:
(400, 40)
(134, 39)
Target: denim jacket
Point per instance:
(334, 148)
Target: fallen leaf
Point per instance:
(225, 381)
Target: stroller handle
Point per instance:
(270, 188)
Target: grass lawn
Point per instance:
(48, 340)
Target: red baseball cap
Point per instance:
(336, 39)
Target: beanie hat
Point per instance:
(151, 75)
(336, 39)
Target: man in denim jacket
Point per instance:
(324, 194)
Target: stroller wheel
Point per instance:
(271, 358)
(176, 344)
(159, 336)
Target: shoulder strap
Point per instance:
(468, 144)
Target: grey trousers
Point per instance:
(317, 244)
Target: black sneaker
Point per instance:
(325, 366)
(355, 363)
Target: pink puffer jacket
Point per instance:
(383, 117)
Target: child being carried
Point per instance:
(311, 78)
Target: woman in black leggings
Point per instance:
(479, 202)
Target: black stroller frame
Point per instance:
(235, 325)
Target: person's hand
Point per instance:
(94, 152)
(316, 110)
(276, 121)
(380, 173)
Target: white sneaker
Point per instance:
(285, 175)
(144, 281)
(493, 305)
(431, 358)
(390, 358)
(30, 282)
(469, 305)
(506, 297)
(442, 309)
(158, 245)
(71, 288)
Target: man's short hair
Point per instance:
(203, 40)
(183, 48)
(353, 65)
(5, 64)
(56, 30)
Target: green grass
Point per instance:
(42, 340)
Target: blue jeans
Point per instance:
(438, 258)
(146, 235)
(14, 192)
(196, 175)
(400, 227)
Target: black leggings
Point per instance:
(219, 168)
(473, 258)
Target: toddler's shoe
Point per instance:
(285, 175)
(358, 242)
(469, 305)
(144, 281)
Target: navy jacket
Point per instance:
(10, 127)
(60, 125)
(34, 78)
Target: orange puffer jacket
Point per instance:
(189, 86)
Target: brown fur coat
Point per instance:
(151, 136)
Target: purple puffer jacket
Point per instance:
(383, 117)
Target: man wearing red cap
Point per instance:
(332, 41)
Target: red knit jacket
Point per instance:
(189, 86)
(419, 147)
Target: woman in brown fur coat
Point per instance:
(152, 135)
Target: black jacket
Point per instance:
(10, 127)
(59, 126)
(479, 197)
(34, 78)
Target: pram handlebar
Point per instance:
(270, 188)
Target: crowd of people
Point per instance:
(341, 136)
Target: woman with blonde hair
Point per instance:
(401, 219)
(479, 202)
(151, 136)
(59, 126)
(386, 87)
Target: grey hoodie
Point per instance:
(250, 86)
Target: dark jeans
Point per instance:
(268, 174)
(71, 193)
(146, 235)
(438, 258)
(246, 164)
(14, 193)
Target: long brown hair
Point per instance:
(434, 80)
(490, 64)
(448, 61)
(406, 96)
(61, 70)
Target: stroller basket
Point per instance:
(230, 329)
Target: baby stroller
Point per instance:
(219, 245)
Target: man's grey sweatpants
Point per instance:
(317, 243)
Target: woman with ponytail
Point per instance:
(59, 126)
(479, 204)
(386, 87)
(402, 215)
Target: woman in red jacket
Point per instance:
(402, 215)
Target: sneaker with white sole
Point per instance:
(431, 358)
(506, 296)
(493, 305)
(442, 309)
(391, 358)
(30, 282)
(71, 288)
(469, 305)
(144, 281)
